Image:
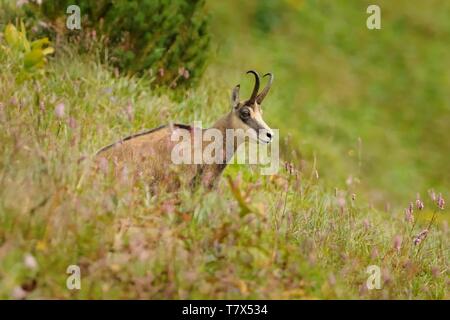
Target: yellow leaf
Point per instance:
(22, 29)
(11, 35)
(48, 51)
(242, 287)
(34, 58)
(23, 37)
(294, 294)
(38, 44)
(41, 246)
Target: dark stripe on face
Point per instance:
(252, 123)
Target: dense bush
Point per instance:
(268, 15)
(166, 38)
(29, 56)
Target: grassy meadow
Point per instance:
(363, 117)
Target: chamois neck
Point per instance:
(224, 123)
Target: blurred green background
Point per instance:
(373, 106)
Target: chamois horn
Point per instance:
(266, 89)
(255, 88)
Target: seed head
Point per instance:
(419, 204)
(409, 217)
(129, 111)
(18, 293)
(183, 72)
(30, 262)
(289, 166)
(420, 237)
(374, 254)
(59, 110)
(41, 106)
(366, 223)
(14, 102)
(341, 202)
(440, 202)
(432, 194)
(398, 242)
(72, 123)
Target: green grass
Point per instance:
(300, 241)
(306, 237)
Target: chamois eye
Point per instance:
(245, 113)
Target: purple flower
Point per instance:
(419, 204)
(14, 101)
(409, 217)
(374, 254)
(398, 242)
(341, 202)
(20, 3)
(432, 194)
(30, 262)
(72, 123)
(59, 110)
(18, 293)
(41, 106)
(129, 111)
(366, 223)
(420, 237)
(440, 202)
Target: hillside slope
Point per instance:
(300, 239)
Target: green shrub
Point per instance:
(30, 56)
(268, 15)
(166, 38)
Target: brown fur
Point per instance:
(149, 154)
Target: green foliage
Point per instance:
(168, 39)
(30, 56)
(268, 15)
(256, 237)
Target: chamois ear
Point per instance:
(235, 97)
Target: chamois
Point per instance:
(150, 152)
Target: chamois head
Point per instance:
(248, 114)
